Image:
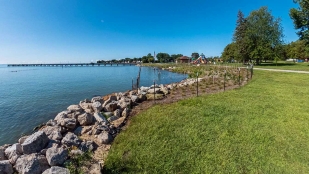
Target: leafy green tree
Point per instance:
(174, 57)
(300, 17)
(240, 38)
(229, 53)
(163, 57)
(264, 34)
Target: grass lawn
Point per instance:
(285, 65)
(260, 128)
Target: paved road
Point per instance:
(280, 70)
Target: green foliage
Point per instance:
(77, 162)
(230, 52)
(163, 57)
(261, 128)
(300, 17)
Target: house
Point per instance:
(183, 59)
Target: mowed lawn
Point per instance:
(285, 66)
(260, 128)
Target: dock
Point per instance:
(72, 64)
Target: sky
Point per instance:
(58, 31)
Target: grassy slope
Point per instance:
(261, 128)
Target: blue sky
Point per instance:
(53, 31)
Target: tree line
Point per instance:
(259, 36)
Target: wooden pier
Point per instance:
(73, 64)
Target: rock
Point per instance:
(164, 90)
(112, 118)
(53, 132)
(95, 168)
(85, 119)
(158, 96)
(125, 112)
(74, 108)
(142, 97)
(132, 93)
(97, 106)
(154, 86)
(86, 146)
(56, 156)
(6, 167)
(85, 105)
(76, 152)
(111, 107)
(118, 122)
(96, 131)
(68, 123)
(97, 99)
(86, 129)
(109, 100)
(154, 90)
(78, 131)
(117, 112)
(35, 142)
(107, 114)
(22, 139)
(31, 164)
(61, 115)
(102, 127)
(2, 154)
(144, 89)
(13, 152)
(99, 117)
(134, 98)
(105, 138)
(56, 170)
(51, 122)
(70, 139)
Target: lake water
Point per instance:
(30, 96)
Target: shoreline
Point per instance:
(92, 125)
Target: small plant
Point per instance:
(76, 162)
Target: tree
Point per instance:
(195, 55)
(163, 57)
(229, 53)
(264, 33)
(175, 56)
(239, 37)
(300, 17)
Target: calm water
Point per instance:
(30, 96)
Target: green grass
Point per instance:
(285, 66)
(260, 128)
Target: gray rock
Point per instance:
(86, 129)
(76, 152)
(109, 100)
(68, 123)
(70, 139)
(22, 139)
(105, 138)
(111, 107)
(86, 146)
(6, 167)
(56, 156)
(85, 119)
(56, 170)
(97, 99)
(99, 117)
(117, 112)
(154, 90)
(102, 127)
(131, 93)
(112, 118)
(85, 105)
(125, 112)
(78, 131)
(144, 89)
(96, 131)
(53, 132)
(134, 98)
(97, 106)
(74, 108)
(142, 97)
(13, 152)
(35, 142)
(2, 154)
(107, 114)
(51, 122)
(31, 164)
(61, 115)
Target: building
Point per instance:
(183, 59)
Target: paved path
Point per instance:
(280, 70)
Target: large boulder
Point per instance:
(154, 90)
(144, 89)
(6, 167)
(125, 112)
(68, 123)
(53, 132)
(61, 115)
(57, 170)
(2, 154)
(74, 108)
(112, 118)
(70, 139)
(109, 100)
(13, 152)
(35, 142)
(105, 138)
(99, 117)
(31, 164)
(21, 140)
(85, 105)
(97, 106)
(134, 98)
(111, 107)
(56, 156)
(117, 113)
(85, 119)
(86, 146)
(97, 99)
